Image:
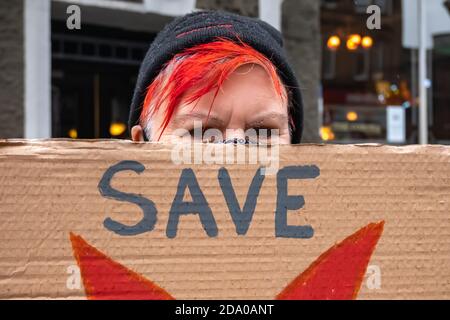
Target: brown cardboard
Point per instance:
(49, 189)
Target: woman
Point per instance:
(216, 70)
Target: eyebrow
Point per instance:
(263, 117)
(198, 115)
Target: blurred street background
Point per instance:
(360, 83)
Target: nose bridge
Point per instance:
(234, 133)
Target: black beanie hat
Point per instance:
(204, 27)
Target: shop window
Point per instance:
(361, 65)
(329, 64)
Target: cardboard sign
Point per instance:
(120, 220)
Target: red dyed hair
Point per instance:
(198, 70)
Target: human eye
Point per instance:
(204, 134)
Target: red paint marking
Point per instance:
(227, 26)
(337, 274)
(105, 279)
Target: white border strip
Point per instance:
(163, 7)
(107, 4)
(37, 73)
(270, 12)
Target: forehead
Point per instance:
(248, 90)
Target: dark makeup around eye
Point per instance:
(268, 120)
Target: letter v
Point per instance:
(241, 218)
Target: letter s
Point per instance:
(148, 207)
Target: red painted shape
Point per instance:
(227, 26)
(337, 274)
(105, 279)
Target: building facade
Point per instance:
(78, 83)
(358, 84)
(12, 65)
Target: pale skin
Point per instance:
(246, 100)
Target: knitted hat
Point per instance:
(204, 27)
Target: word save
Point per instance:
(241, 217)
